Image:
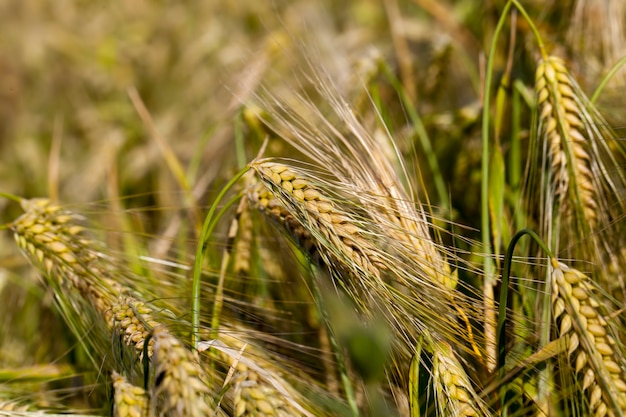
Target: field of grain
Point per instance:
(312, 208)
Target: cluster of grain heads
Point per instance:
(596, 356)
(80, 273)
(129, 400)
(180, 386)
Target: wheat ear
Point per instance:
(259, 388)
(129, 400)
(597, 360)
(568, 148)
(453, 389)
(52, 239)
(309, 210)
(180, 386)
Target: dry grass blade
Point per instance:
(180, 386)
(129, 400)
(597, 358)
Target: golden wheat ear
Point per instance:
(576, 161)
(596, 356)
(316, 222)
(569, 151)
(181, 386)
(455, 392)
(74, 266)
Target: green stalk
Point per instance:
(488, 264)
(207, 230)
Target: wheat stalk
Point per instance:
(597, 359)
(129, 400)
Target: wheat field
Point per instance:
(312, 208)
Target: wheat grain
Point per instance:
(597, 360)
(129, 400)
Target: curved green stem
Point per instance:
(502, 308)
(207, 229)
(533, 28)
(607, 78)
(219, 291)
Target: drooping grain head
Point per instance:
(569, 154)
(596, 358)
(180, 385)
(376, 260)
(53, 240)
(313, 219)
(128, 400)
